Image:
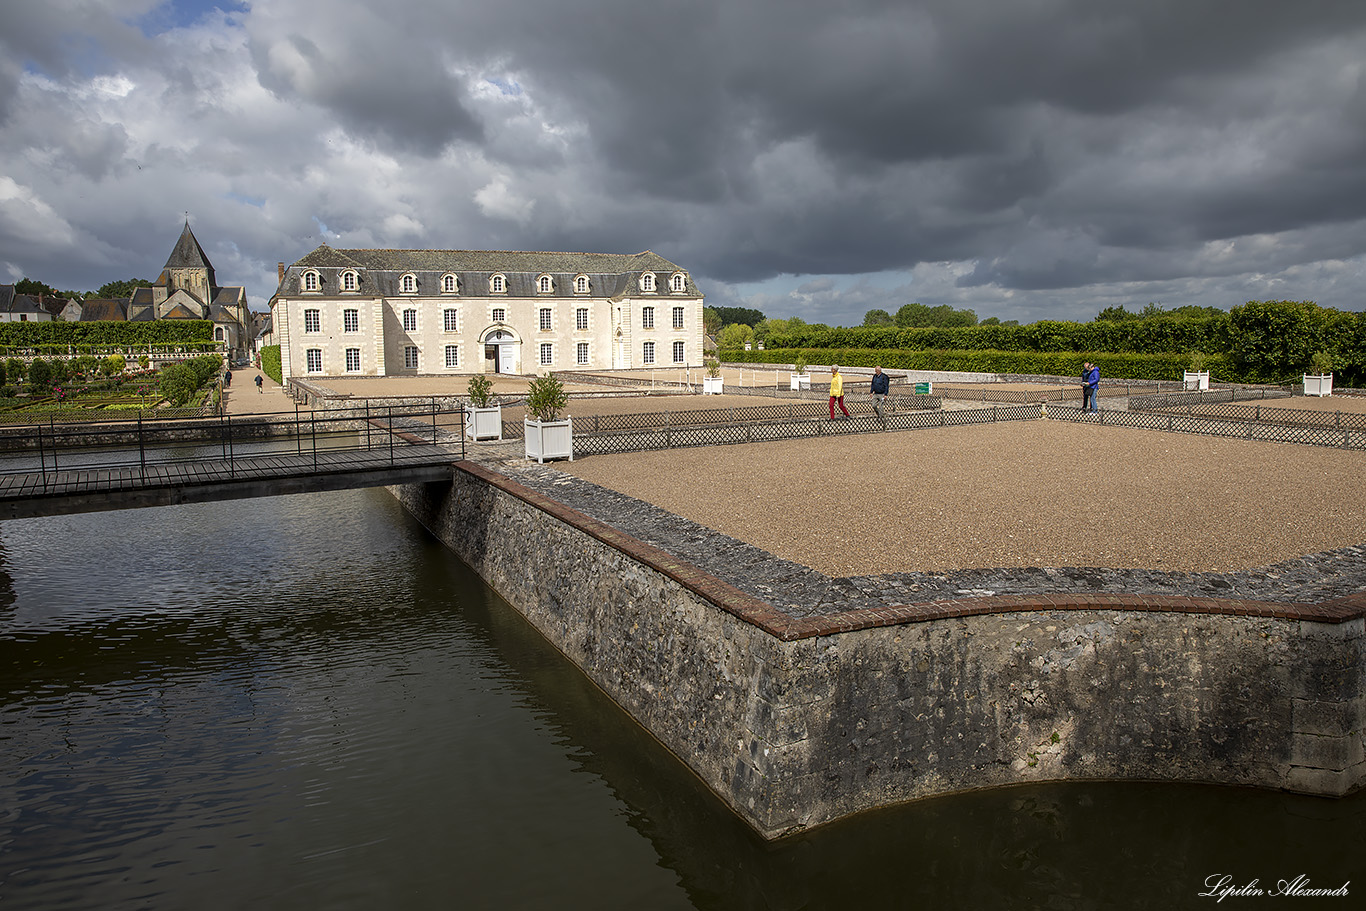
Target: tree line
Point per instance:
(1260, 341)
(109, 290)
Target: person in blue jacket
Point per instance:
(1090, 381)
(880, 387)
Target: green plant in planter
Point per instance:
(800, 366)
(1198, 362)
(1321, 364)
(713, 367)
(481, 391)
(546, 398)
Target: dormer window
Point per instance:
(498, 284)
(449, 284)
(350, 281)
(647, 282)
(408, 284)
(545, 284)
(581, 284)
(312, 281)
(678, 282)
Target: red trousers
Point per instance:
(833, 400)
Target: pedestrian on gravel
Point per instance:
(1090, 383)
(880, 388)
(837, 391)
(258, 382)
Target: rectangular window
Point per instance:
(581, 318)
(351, 320)
(452, 356)
(314, 357)
(410, 320)
(450, 320)
(500, 315)
(547, 353)
(648, 355)
(678, 352)
(582, 354)
(352, 360)
(647, 317)
(678, 317)
(410, 357)
(545, 319)
(312, 321)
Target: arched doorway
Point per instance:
(502, 350)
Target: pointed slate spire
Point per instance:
(188, 254)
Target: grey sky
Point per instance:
(1025, 158)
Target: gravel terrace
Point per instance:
(1039, 507)
(825, 524)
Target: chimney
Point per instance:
(282, 273)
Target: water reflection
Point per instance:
(307, 702)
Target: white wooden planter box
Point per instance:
(484, 423)
(801, 380)
(712, 385)
(1318, 385)
(1196, 379)
(549, 439)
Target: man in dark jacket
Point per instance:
(1090, 382)
(880, 386)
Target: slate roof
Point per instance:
(104, 309)
(53, 305)
(187, 253)
(6, 296)
(609, 274)
(230, 295)
(23, 303)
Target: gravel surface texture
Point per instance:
(1042, 507)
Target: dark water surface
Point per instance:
(307, 702)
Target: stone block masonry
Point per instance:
(795, 721)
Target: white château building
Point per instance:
(426, 312)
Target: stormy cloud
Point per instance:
(1027, 160)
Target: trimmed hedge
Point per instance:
(105, 333)
(270, 363)
(1260, 341)
(1167, 367)
(1154, 336)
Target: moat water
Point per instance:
(307, 702)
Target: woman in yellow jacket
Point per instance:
(837, 391)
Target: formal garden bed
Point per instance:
(86, 387)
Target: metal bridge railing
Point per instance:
(305, 438)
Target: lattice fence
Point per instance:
(1341, 437)
(863, 421)
(1212, 396)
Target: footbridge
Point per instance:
(63, 467)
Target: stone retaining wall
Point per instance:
(797, 721)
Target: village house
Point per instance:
(22, 308)
(432, 312)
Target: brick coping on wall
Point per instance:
(763, 615)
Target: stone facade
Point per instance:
(434, 312)
(795, 722)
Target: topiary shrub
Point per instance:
(39, 373)
(270, 363)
